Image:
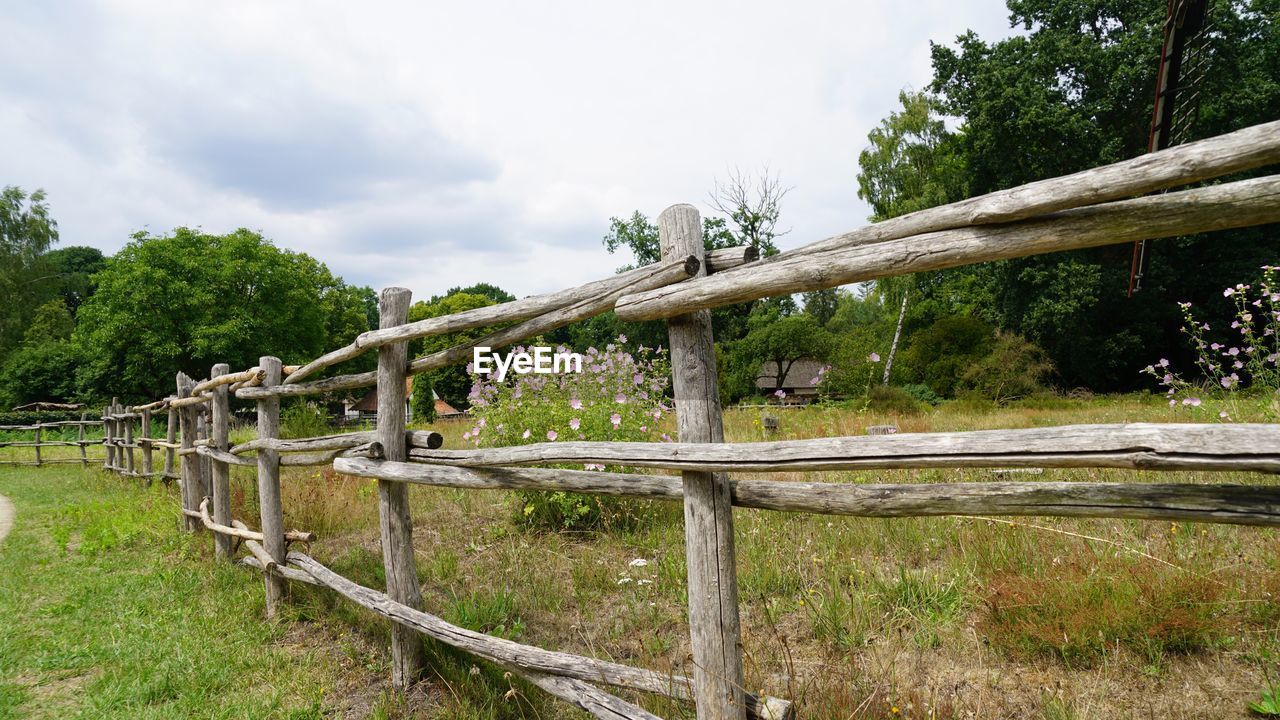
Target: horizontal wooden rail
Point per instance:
(1147, 446)
(238, 529)
(654, 276)
(1246, 149)
(343, 441)
(509, 312)
(1225, 504)
(525, 657)
(1219, 207)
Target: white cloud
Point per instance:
(424, 146)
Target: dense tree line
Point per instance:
(1071, 91)
(95, 327)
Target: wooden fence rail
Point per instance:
(1087, 209)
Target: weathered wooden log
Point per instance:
(674, 270)
(722, 259)
(515, 311)
(1146, 446)
(37, 444)
(227, 378)
(283, 571)
(235, 528)
(1252, 147)
(587, 697)
(154, 406)
(339, 443)
(222, 456)
(512, 654)
(1218, 207)
(129, 445)
(1226, 504)
(108, 461)
(654, 276)
(408, 656)
(714, 626)
(80, 441)
(269, 486)
(190, 401)
(192, 483)
(324, 442)
(171, 437)
(145, 441)
(220, 470)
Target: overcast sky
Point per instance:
(431, 145)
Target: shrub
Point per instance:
(617, 396)
(939, 355)
(923, 393)
(1014, 368)
(423, 402)
(302, 420)
(893, 400)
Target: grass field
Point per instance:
(116, 611)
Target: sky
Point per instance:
(431, 145)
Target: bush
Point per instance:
(617, 396)
(304, 420)
(423, 402)
(893, 400)
(923, 393)
(1014, 368)
(939, 355)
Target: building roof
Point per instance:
(799, 377)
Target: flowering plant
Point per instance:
(1247, 359)
(617, 396)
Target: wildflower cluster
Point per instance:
(617, 396)
(1248, 357)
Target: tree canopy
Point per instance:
(189, 299)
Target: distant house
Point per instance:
(366, 408)
(798, 383)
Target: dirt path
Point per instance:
(6, 516)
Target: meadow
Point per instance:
(849, 617)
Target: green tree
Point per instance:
(184, 301)
(43, 367)
(912, 162)
(70, 272)
(777, 342)
(27, 231)
(452, 382)
(1074, 92)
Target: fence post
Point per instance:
(170, 437)
(220, 471)
(206, 466)
(84, 456)
(269, 483)
(408, 657)
(714, 627)
(117, 453)
(108, 460)
(37, 443)
(128, 444)
(145, 440)
(189, 480)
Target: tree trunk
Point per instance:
(893, 348)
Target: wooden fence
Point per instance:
(39, 440)
(1082, 210)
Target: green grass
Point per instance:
(110, 612)
(849, 617)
